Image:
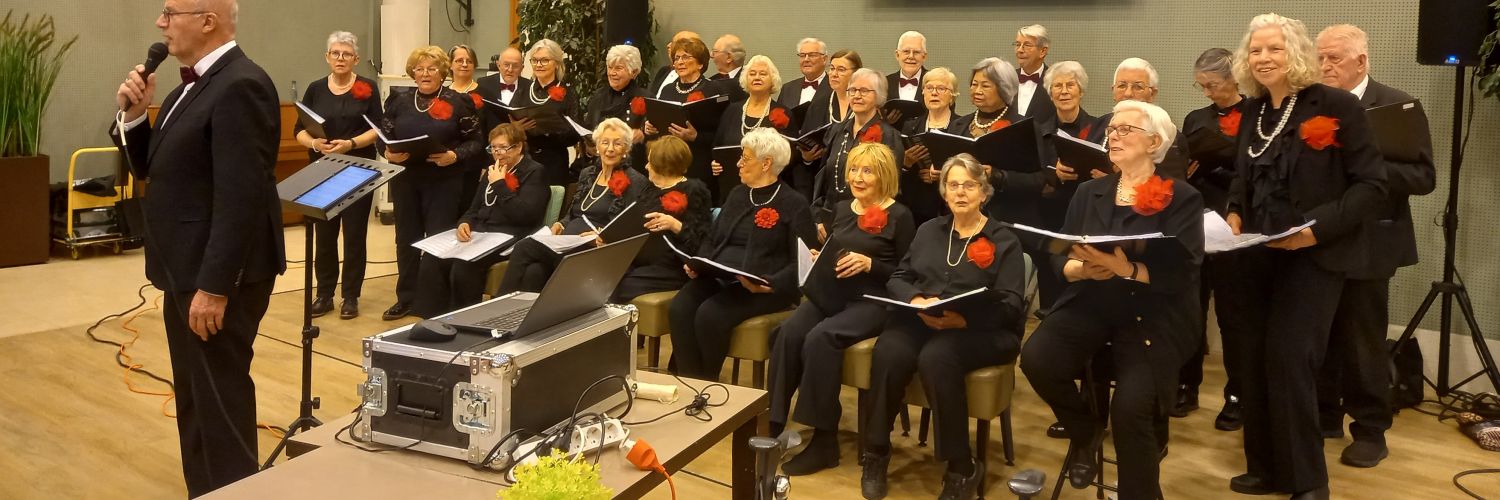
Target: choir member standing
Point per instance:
(667, 74)
(919, 190)
(1065, 83)
(549, 147)
(462, 61)
(689, 58)
(812, 62)
(1136, 79)
(1031, 47)
(759, 81)
(728, 54)
(906, 82)
(621, 98)
(866, 92)
(504, 86)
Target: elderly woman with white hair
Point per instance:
(1133, 306)
(950, 255)
(1065, 83)
(621, 98)
(866, 91)
(1311, 156)
(549, 147)
(756, 231)
(760, 81)
(348, 104)
(919, 190)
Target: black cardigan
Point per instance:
(638, 184)
(830, 188)
(517, 213)
(771, 252)
(925, 271)
(459, 133)
(343, 115)
(1213, 178)
(885, 249)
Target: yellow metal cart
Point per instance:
(79, 204)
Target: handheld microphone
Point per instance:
(154, 56)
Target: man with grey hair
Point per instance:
(1136, 80)
(501, 87)
(1032, 100)
(728, 55)
(213, 233)
(1354, 378)
(812, 60)
(906, 82)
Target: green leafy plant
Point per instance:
(30, 59)
(557, 477)
(1489, 80)
(578, 26)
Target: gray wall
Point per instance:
(488, 36)
(1170, 34)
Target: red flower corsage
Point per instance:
(618, 182)
(674, 202)
(511, 182)
(1084, 132)
(982, 252)
(557, 93)
(361, 90)
(779, 118)
(766, 218)
(440, 109)
(1229, 124)
(873, 220)
(999, 124)
(1152, 196)
(638, 106)
(695, 96)
(478, 101)
(1319, 132)
(872, 134)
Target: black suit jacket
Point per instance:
(1390, 236)
(791, 92)
(893, 84)
(1339, 186)
(212, 210)
(1040, 108)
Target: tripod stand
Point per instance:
(305, 419)
(1448, 288)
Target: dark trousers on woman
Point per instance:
(1216, 278)
(1048, 284)
(466, 280)
(944, 359)
(808, 359)
(1355, 378)
(1288, 303)
(425, 205)
(1055, 356)
(702, 316)
(531, 264)
(355, 221)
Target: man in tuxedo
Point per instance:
(1135, 79)
(1354, 378)
(812, 61)
(502, 87)
(665, 76)
(728, 55)
(1032, 100)
(213, 238)
(906, 82)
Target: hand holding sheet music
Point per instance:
(935, 307)
(706, 267)
(1218, 237)
(1061, 244)
(446, 245)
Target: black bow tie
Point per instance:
(908, 81)
(188, 75)
(809, 84)
(507, 86)
(1037, 78)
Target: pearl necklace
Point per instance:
(435, 97)
(531, 94)
(986, 126)
(1259, 124)
(745, 117)
(750, 193)
(590, 199)
(957, 235)
(341, 89)
(1123, 196)
(677, 85)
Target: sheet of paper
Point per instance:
(446, 245)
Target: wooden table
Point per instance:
(324, 468)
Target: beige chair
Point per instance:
(751, 341)
(497, 271)
(652, 322)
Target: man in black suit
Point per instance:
(812, 61)
(1354, 378)
(906, 82)
(502, 87)
(665, 76)
(1135, 79)
(214, 239)
(1033, 101)
(728, 55)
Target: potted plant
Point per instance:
(1489, 81)
(31, 55)
(557, 477)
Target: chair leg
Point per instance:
(923, 427)
(861, 413)
(1005, 438)
(981, 442)
(734, 373)
(653, 352)
(905, 421)
(758, 378)
(1062, 473)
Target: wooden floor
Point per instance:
(70, 428)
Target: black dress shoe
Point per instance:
(1187, 401)
(349, 309)
(820, 453)
(1246, 484)
(396, 312)
(1313, 494)
(872, 483)
(1084, 465)
(1057, 431)
(321, 306)
(960, 487)
(1229, 417)
(1363, 454)
(1333, 432)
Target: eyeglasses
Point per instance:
(341, 56)
(1131, 86)
(1121, 131)
(840, 69)
(1212, 86)
(493, 149)
(541, 61)
(936, 88)
(510, 65)
(910, 52)
(809, 55)
(1068, 85)
(963, 186)
(1023, 45)
(463, 62)
(168, 13)
(615, 144)
(858, 92)
(682, 57)
(424, 69)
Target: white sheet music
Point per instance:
(446, 245)
(1088, 238)
(925, 307)
(1219, 237)
(804, 262)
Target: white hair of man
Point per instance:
(1137, 64)
(917, 35)
(735, 48)
(877, 82)
(765, 142)
(770, 68)
(1155, 121)
(556, 51)
(1068, 68)
(624, 54)
(1003, 75)
(1038, 32)
(822, 47)
(345, 38)
(1354, 39)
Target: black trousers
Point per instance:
(943, 358)
(466, 280)
(808, 359)
(355, 221)
(702, 316)
(1056, 355)
(1355, 378)
(426, 204)
(215, 394)
(1048, 284)
(1216, 278)
(1288, 303)
(531, 264)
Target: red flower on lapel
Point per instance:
(1229, 124)
(766, 218)
(638, 106)
(440, 109)
(557, 93)
(674, 202)
(999, 124)
(511, 182)
(478, 101)
(361, 90)
(872, 134)
(873, 220)
(619, 182)
(779, 118)
(982, 252)
(1320, 131)
(1152, 196)
(695, 96)
(1084, 132)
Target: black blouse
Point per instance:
(1055, 197)
(409, 113)
(549, 149)
(770, 252)
(696, 218)
(830, 188)
(884, 248)
(343, 115)
(600, 203)
(924, 199)
(516, 212)
(928, 269)
(1213, 177)
(606, 103)
(1017, 197)
(735, 123)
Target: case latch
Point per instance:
(473, 408)
(372, 393)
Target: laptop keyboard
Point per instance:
(507, 322)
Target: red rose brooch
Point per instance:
(478, 101)
(766, 218)
(873, 220)
(1084, 132)
(982, 252)
(674, 202)
(440, 109)
(618, 182)
(999, 124)
(361, 90)
(1152, 196)
(779, 118)
(511, 182)
(638, 106)
(872, 134)
(557, 93)
(695, 96)
(1319, 132)
(1229, 124)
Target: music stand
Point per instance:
(320, 191)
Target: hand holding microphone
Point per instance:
(139, 88)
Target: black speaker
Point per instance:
(625, 22)
(1449, 31)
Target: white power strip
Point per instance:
(587, 438)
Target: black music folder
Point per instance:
(703, 113)
(1399, 130)
(1011, 148)
(1080, 155)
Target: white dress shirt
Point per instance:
(505, 95)
(909, 92)
(808, 92)
(1027, 91)
(200, 68)
(1359, 90)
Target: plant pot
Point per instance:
(23, 210)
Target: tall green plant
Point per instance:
(1489, 80)
(578, 25)
(29, 65)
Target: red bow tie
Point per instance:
(908, 81)
(809, 85)
(507, 86)
(1037, 78)
(188, 75)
